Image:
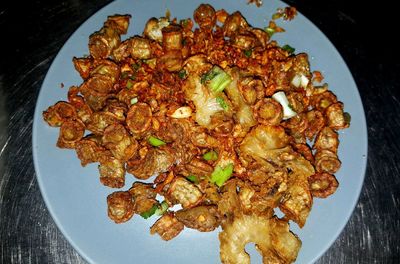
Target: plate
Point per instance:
(77, 200)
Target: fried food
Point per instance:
(271, 236)
(120, 206)
(167, 227)
(219, 119)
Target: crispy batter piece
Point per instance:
(119, 142)
(104, 41)
(138, 119)
(89, 149)
(269, 112)
(71, 131)
(322, 184)
(57, 114)
(167, 227)
(144, 196)
(120, 206)
(112, 171)
(183, 192)
(204, 218)
(327, 161)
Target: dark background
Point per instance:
(365, 34)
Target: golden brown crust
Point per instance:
(71, 131)
(167, 227)
(139, 117)
(112, 171)
(89, 149)
(322, 184)
(57, 114)
(120, 206)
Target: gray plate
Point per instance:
(77, 201)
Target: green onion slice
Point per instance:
(288, 48)
(222, 103)
(162, 208)
(182, 74)
(193, 178)
(155, 142)
(270, 31)
(129, 84)
(134, 100)
(221, 175)
(211, 155)
(216, 79)
(347, 117)
(248, 53)
(149, 212)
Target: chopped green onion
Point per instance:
(125, 75)
(156, 142)
(136, 66)
(277, 15)
(270, 31)
(134, 100)
(288, 48)
(291, 107)
(208, 76)
(193, 178)
(162, 208)
(182, 74)
(184, 22)
(247, 53)
(222, 103)
(129, 84)
(149, 212)
(216, 79)
(347, 117)
(211, 155)
(221, 175)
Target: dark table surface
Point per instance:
(32, 34)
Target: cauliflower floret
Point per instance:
(271, 236)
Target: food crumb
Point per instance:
(287, 13)
(317, 76)
(258, 3)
